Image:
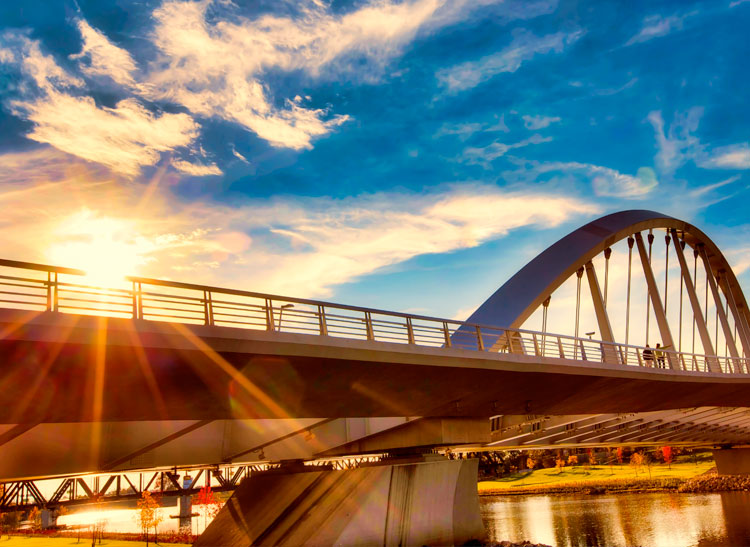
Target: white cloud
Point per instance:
(125, 137)
(606, 182)
(677, 145)
(655, 26)
(708, 188)
(104, 58)
(489, 153)
(313, 243)
(215, 67)
(196, 169)
(735, 156)
(524, 47)
(737, 3)
(539, 122)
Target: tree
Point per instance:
(572, 459)
(35, 517)
(559, 463)
(530, 462)
(148, 513)
(666, 452)
(619, 455)
(636, 461)
(208, 504)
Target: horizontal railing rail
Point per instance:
(43, 288)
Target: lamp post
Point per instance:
(281, 312)
(590, 334)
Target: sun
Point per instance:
(106, 248)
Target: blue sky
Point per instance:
(404, 155)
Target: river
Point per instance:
(661, 519)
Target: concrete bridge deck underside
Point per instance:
(64, 368)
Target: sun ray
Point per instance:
(231, 371)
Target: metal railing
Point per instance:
(47, 288)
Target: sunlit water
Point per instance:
(648, 520)
(125, 520)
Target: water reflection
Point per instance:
(658, 519)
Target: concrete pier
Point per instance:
(732, 461)
(426, 500)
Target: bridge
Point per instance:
(159, 374)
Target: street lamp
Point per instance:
(281, 312)
(590, 334)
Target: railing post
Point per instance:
(322, 321)
(480, 343)
(208, 308)
(140, 300)
(583, 350)
(446, 334)
(56, 296)
(368, 326)
(409, 330)
(536, 345)
(269, 315)
(560, 348)
(49, 291)
(135, 300)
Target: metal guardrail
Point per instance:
(47, 288)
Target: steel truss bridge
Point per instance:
(160, 374)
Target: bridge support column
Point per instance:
(425, 500)
(48, 518)
(732, 461)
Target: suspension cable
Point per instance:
(648, 294)
(631, 241)
(579, 274)
(607, 254)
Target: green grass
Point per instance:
(578, 475)
(41, 541)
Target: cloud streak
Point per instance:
(524, 47)
(303, 246)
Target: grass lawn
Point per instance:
(579, 474)
(40, 541)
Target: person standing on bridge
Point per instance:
(659, 351)
(648, 356)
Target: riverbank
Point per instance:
(602, 479)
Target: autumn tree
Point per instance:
(666, 453)
(619, 455)
(636, 461)
(148, 513)
(208, 504)
(560, 463)
(572, 459)
(530, 462)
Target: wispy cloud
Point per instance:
(524, 47)
(734, 156)
(100, 57)
(708, 188)
(196, 169)
(539, 121)
(486, 154)
(125, 137)
(676, 145)
(655, 26)
(465, 130)
(607, 182)
(301, 246)
(214, 63)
